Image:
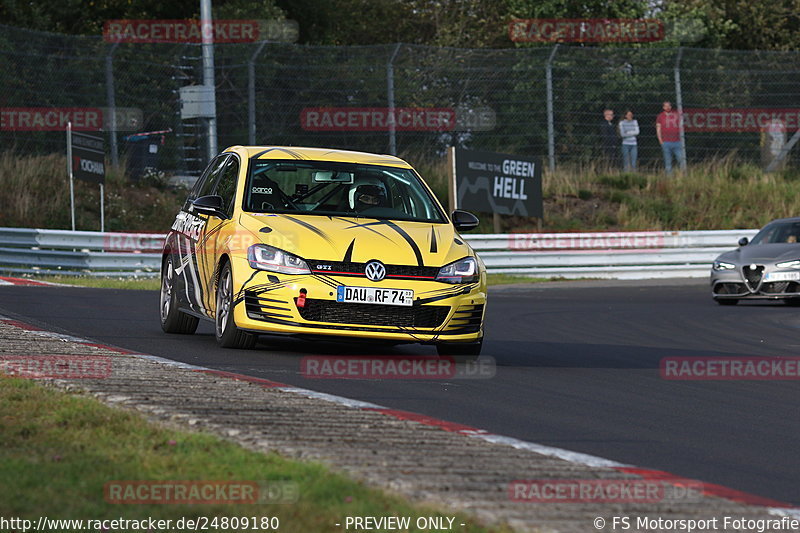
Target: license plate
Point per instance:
(374, 295)
(782, 276)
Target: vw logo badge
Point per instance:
(375, 271)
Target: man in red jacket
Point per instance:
(668, 130)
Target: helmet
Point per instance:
(366, 192)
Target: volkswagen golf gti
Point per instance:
(321, 243)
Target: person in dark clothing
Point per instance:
(608, 133)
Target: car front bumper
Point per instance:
(267, 302)
(732, 284)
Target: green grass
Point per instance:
(719, 194)
(60, 449)
(143, 284)
(507, 279)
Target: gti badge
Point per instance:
(375, 271)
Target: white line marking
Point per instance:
(566, 455)
(348, 402)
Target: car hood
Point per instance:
(332, 238)
(763, 252)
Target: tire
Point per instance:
(228, 335)
(173, 320)
(727, 302)
(463, 352)
(792, 302)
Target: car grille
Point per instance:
(753, 276)
(466, 319)
(261, 307)
(778, 287)
(348, 268)
(417, 316)
(730, 288)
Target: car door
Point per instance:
(190, 230)
(217, 230)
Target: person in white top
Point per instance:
(628, 130)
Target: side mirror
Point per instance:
(464, 220)
(743, 241)
(210, 205)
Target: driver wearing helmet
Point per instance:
(367, 192)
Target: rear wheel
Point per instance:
(728, 302)
(173, 320)
(228, 335)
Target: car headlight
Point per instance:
(789, 264)
(722, 265)
(263, 257)
(461, 271)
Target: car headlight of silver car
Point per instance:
(461, 271)
(264, 257)
(722, 265)
(790, 264)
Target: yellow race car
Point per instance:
(319, 242)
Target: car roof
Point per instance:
(320, 154)
(790, 219)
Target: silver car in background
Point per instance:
(766, 268)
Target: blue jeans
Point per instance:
(671, 149)
(629, 155)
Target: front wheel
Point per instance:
(173, 320)
(228, 335)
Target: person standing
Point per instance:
(668, 131)
(608, 134)
(628, 130)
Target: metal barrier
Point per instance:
(609, 255)
(81, 253)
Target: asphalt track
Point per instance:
(577, 368)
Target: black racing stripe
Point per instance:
(365, 226)
(326, 280)
(409, 240)
(434, 247)
(400, 231)
(292, 153)
(464, 290)
(309, 227)
(348, 255)
(443, 295)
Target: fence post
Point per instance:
(251, 93)
(207, 34)
(111, 101)
(679, 105)
(551, 141)
(390, 99)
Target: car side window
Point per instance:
(226, 186)
(207, 181)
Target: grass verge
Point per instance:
(60, 449)
(143, 284)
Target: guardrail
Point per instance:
(610, 255)
(82, 253)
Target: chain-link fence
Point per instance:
(540, 101)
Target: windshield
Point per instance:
(343, 189)
(785, 232)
